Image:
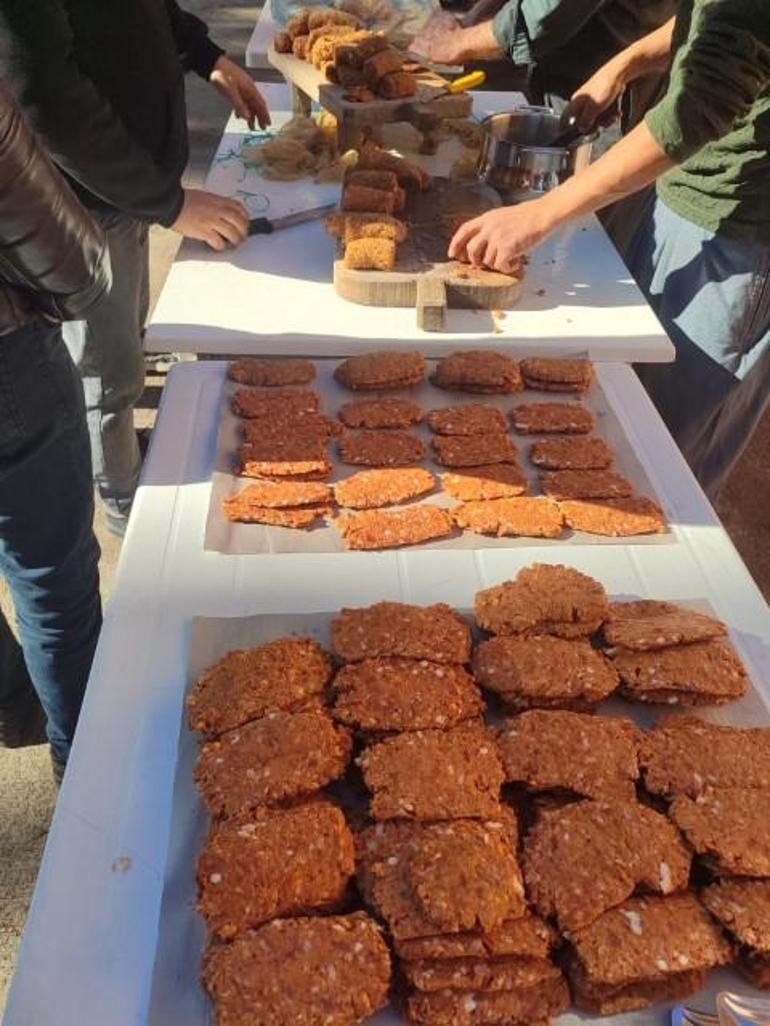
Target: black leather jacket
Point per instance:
(53, 257)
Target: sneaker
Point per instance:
(116, 522)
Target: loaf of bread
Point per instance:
(299, 47)
(298, 25)
(398, 85)
(320, 17)
(320, 42)
(362, 198)
(372, 158)
(380, 64)
(376, 226)
(349, 227)
(353, 55)
(347, 75)
(373, 179)
(370, 255)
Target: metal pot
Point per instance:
(516, 158)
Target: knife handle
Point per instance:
(260, 226)
(466, 82)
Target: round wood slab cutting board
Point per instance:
(423, 277)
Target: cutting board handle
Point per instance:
(431, 303)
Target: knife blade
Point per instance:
(264, 225)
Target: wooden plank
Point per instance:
(422, 114)
(431, 303)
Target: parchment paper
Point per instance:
(247, 539)
(177, 997)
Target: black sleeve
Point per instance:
(49, 245)
(79, 126)
(198, 52)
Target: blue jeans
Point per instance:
(48, 552)
(712, 295)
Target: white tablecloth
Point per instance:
(274, 294)
(88, 948)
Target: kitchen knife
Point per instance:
(265, 226)
(453, 88)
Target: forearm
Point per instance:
(477, 43)
(632, 164)
(648, 55)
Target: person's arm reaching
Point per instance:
(199, 54)
(445, 41)
(523, 31)
(500, 237)
(50, 248)
(717, 74)
(650, 54)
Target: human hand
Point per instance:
(498, 239)
(237, 86)
(439, 40)
(595, 102)
(215, 220)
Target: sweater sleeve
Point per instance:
(196, 49)
(720, 68)
(81, 130)
(527, 30)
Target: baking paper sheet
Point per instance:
(177, 998)
(246, 539)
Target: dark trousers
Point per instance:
(48, 552)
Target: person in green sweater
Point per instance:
(701, 252)
(558, 42)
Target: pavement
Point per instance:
(27, 795)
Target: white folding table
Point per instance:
(274, 295)
(89, 945)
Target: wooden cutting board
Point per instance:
(354, 117)
(423, 277)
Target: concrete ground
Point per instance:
(27, 795)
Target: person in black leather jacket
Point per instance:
(54, 265)
(104, 85)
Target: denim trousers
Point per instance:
(107, 351)
(48, 552)
(711, 293)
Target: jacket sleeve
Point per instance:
(50, 247)
(198, 52)
(79, 126)
(721, 67)
(527, 30)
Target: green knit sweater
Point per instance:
(714, 120)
